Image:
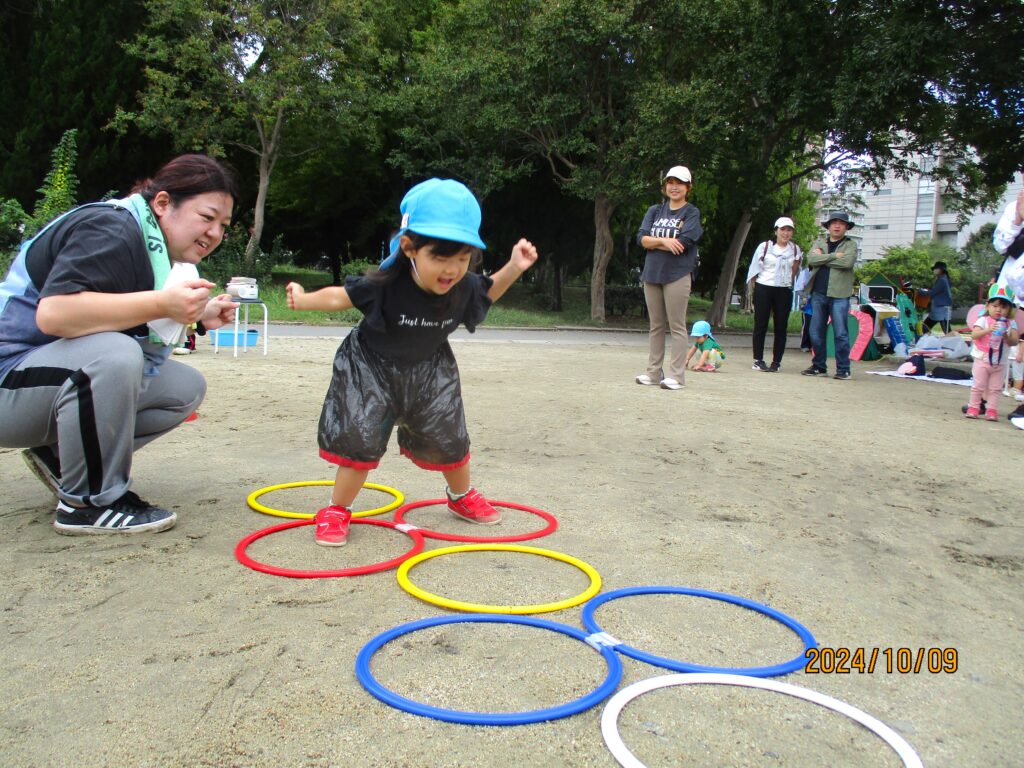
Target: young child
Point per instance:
(993, 331)
(711, 354)
(396, 367)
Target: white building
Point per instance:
(901, 211)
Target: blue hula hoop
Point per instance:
(596, 696)
(679, 666)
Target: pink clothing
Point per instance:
(987, 383)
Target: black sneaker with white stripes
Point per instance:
(129, 514)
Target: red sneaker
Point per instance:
(991, 415)
(474, 508)
(332, 526)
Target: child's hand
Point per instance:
(524, 255)
(294, 292)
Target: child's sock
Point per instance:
(455, 496)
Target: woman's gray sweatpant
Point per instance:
(88, 400)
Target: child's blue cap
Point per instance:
(701, 328)
(442, 208)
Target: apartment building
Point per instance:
(904, 210)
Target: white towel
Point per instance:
(171, 332)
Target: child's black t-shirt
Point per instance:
(401, 321)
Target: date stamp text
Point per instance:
(904, 661)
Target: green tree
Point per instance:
(912, 263)
(557, 83)
(244, 74)
(64, 67)
(979, 262)
(879, 82)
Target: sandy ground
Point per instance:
(869, 510)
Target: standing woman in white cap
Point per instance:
(773, 267)
(669, 232)
(396, 367)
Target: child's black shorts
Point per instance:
(370, 394)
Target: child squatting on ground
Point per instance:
(993, 333)
(396, 366)
(711, 354)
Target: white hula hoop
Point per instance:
(610, 716)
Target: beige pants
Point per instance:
(666, 306)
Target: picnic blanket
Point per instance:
(895, 374)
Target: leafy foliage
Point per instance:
(64, 67)
(974, 265)
(59, 192)
(245, 74)
(340, 105)
(13, 221)
(913, 264)
(979, 262)
(230, 260)
(57, 195)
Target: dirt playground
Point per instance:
(869, 510)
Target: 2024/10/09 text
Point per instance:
(844, 661)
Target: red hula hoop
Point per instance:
(552, 525)
(244, 559)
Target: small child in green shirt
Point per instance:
(711, 354)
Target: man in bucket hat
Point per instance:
(831, 261)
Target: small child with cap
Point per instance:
(396, 366)
(711, 354)
(993, 332)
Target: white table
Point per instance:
(243, 311)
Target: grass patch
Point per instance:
(523, 306)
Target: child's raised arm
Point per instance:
(524, 255)
(333, 298)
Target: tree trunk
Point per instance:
(557, 277)
(270, 148)
(723, 293)
(335, 259)
(603, 210)
(257, 218)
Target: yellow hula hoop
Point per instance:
(254, 504)
(457, 605)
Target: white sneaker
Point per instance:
(671, 384)
(646, 380)
(1019, 397)
(181, 351)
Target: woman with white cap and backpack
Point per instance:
(670, 231)
(773, 269)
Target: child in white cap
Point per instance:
(396, 367)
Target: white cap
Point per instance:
(680, 172)
(784, 221)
